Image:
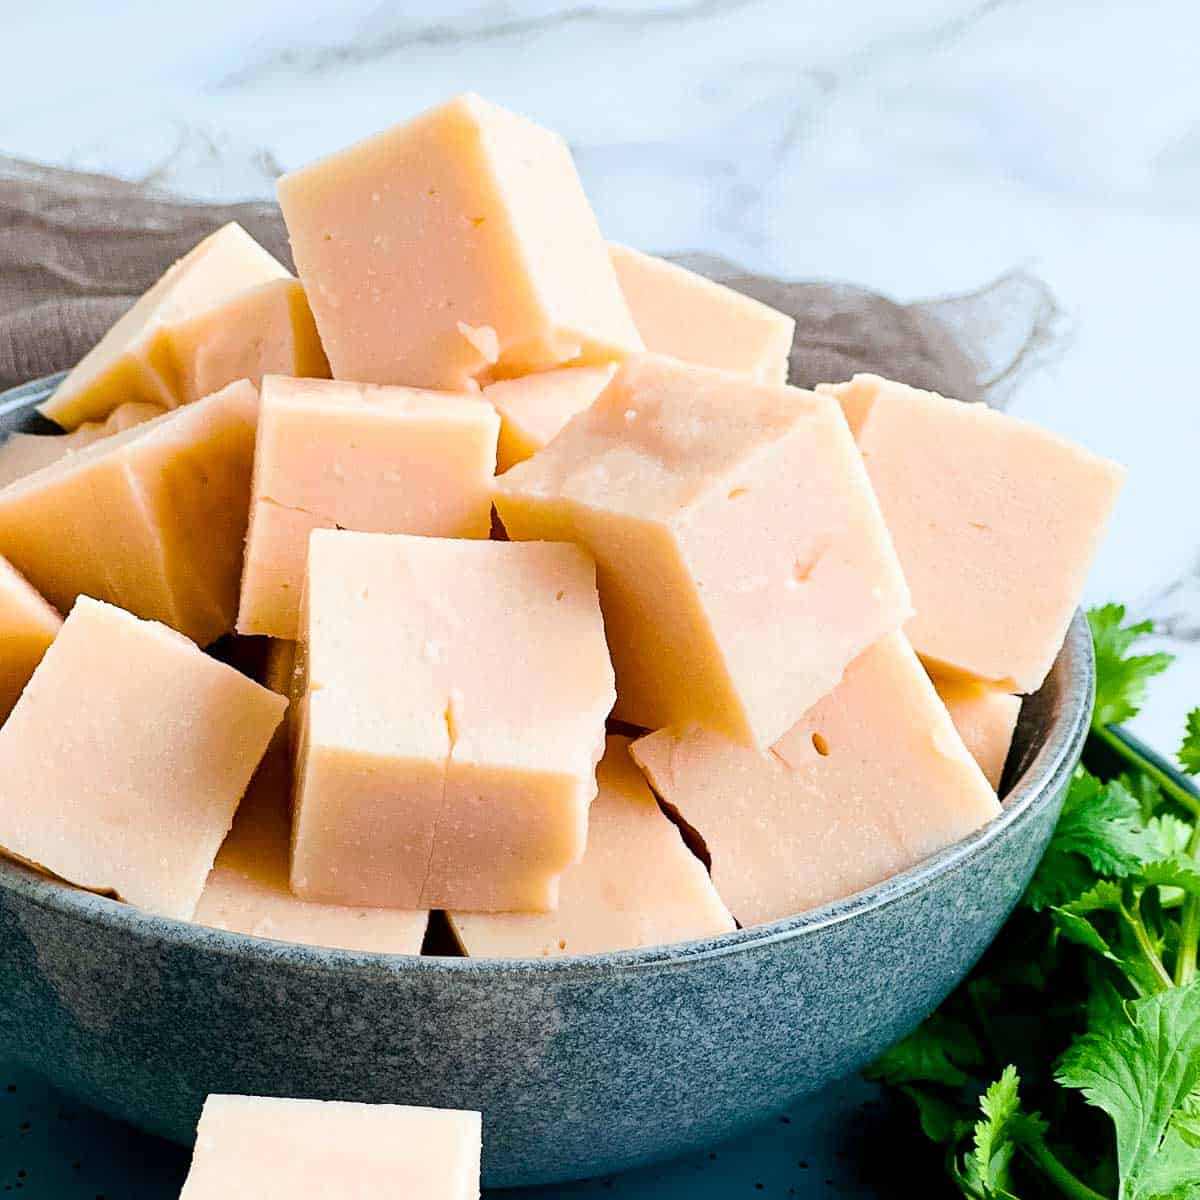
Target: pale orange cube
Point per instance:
(25, 453)
(335, 455)
(985, 718)
(268, 330)
(152, 519)
(995, 520)
(687, 316)
(453, 250)
(534, 408)
(248, 890)
(742, 558)
(637, 885)
(227, 310)
(871, 781)
(270, 1149)
(27, 627)
(453, 702)
(126, 756)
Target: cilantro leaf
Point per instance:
(1167, 836)
(1189, 752)
(1101, 825)
(1080, 930)
(941, 1120)
(1143, 788)
(1106, 896)
(1134, 950)
(1057, 878)
(1142, 1067)
(985, 1171)
(1181, 873)
(1071, 920)
(1186, 1121)
(1121, 677)
(939, 1051)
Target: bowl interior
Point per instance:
(1049, 738)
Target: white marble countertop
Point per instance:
(916, 148)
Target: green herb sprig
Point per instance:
(1068, 1062)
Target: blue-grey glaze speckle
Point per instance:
(581, 1066)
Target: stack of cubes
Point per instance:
(811, 612)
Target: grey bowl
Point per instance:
(581, 1066)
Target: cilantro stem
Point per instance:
(1132, 754)
(1131, 750)
(1067, 1182)
(1189, 926)
(1133, 916)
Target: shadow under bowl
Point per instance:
(581, 1066)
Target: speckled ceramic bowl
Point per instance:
(580, 1065)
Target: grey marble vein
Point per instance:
(194, 142)
(1175, 609)
(804, 96)
(368, 49)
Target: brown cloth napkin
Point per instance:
(76, 250)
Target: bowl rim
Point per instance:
(1036, 786)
